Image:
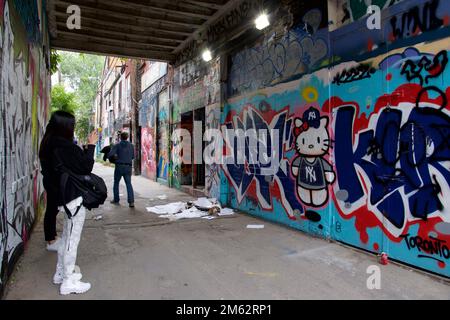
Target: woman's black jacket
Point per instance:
(74, 158)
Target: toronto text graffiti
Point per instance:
(431, 246)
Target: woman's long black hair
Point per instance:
(61, 124)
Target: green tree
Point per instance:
(63, 100)
(55, 58)
(83, 74)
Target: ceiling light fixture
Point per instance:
(262, 21)
(206, 55)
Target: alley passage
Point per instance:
(133, 254)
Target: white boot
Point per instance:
(58, 278)
(72, 285)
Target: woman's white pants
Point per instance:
(67, 252)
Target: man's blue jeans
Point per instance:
(125, 172)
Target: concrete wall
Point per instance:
(24, 110)
(376, 104)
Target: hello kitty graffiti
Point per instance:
(313, 173)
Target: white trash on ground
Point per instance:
(187, 213)
(255, 226)
(162, 197)
(200, 208)
(204, 203)
(99, 217)
(170, 208)
(225, 212)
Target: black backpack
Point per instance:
(93, 188)
(106, 151)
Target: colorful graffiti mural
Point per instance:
(148, 150)
(24, 89)
(247, 178)
(300, 51)
(402, 24)
(363, 144)
(313, 173)
(148, 109)
(163, 135)
(212, 175)
(347, 11)
(273, 189)
(396, 157)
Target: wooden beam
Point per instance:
(183, 2)
(132, 26)
(120, 33)
(65, 35)
(101, 49)
(177, 8)
(228, 6)
(50, 8)
(116, 37)
(108, 11)
(208, 4)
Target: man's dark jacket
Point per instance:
(74, 158)
(124, 151)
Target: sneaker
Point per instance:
(132, 205)
(71, 285)
(114, 202)
(55, 245)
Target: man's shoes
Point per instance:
(131, 204)
(55, 245)
(114, 202)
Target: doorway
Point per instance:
(199, 169)
(185, 173)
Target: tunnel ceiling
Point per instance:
(151, 29)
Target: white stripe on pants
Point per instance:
(67, 252)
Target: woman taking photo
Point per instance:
(57, 148)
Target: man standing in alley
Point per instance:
(123, 152)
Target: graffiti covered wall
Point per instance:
(343, 12)
(148, 147)
(163, 135)
(301, 50)
(362, 154)
(24, 95)
(212, 175)
(148, 108)
(196, 85)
